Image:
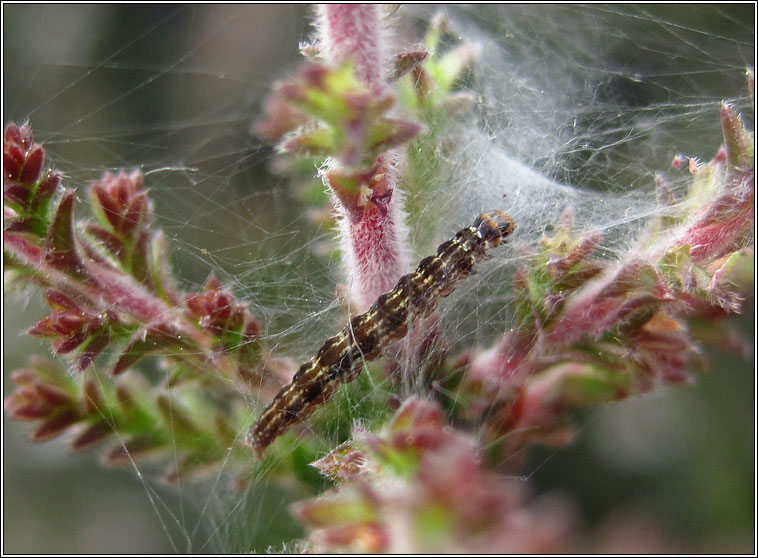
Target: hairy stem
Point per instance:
(372, 228)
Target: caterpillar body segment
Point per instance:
(340, 358)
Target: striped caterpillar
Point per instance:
(340, 358)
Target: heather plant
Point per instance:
(421, 470)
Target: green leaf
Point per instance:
(387, 133)
(739, 143)
(321, 141)
(60, 244)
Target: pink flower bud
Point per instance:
(122, 202)
(22, 158)
(55, 425)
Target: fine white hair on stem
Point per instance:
(356, 32)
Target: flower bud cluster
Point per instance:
(590, 330)
(420, 486)
(112, 303)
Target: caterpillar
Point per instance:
(340, 358)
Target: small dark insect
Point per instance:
(340, 358)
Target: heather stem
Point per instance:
(372, 228)
(353, 31)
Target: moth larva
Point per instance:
(340, 357)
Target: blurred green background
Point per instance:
(173, 90)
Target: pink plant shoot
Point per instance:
(336, 109)
(432, 472)
(591, 330)
(421, 486)
(372, 228)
